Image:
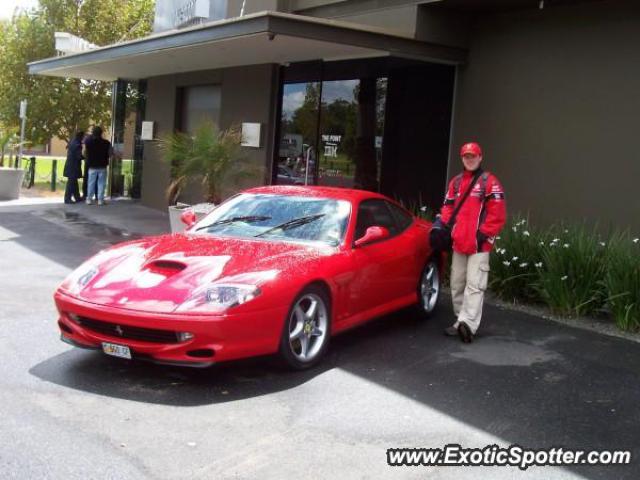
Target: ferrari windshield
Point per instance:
(282, 217)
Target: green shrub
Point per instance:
(622, 281)
(513, 262)
(419, 209)
(572, 270)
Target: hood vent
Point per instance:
(166, 266)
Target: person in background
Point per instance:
(98, 152)
(478, 222)
(73, 169)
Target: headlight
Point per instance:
(80, 278)
(218, 297)
(231, 295)
(87, 276)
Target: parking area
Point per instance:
(397, 382)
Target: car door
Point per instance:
(383, 267)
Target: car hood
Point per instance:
(159, 274)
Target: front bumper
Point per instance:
(216, 338)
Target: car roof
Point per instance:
(337, 193)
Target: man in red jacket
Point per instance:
(477, 223)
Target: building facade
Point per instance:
(379, 94)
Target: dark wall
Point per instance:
(248, 95)
(417, 134)
(553, 96)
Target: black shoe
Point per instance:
(69, 202)
(465, 333)
(451, 331)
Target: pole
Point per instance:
(54, 171)
(23, 117)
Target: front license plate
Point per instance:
(115, 350)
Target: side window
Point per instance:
(403, 218)
(375, 213)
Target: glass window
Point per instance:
(199, 103)
(403, 218)
(298, 133)
(348, 115)
(375, 213)
(279, 217)
(126, 166)
(352, 120)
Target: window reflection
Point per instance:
(299, 127)
(349, 145)
(351, 126)
(126, 166)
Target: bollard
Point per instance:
(32, 171)
(54, 171)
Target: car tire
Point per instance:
(307, 329)
(429, 288)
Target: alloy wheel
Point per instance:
(430, 287)
(308, 327)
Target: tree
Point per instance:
(60, 106)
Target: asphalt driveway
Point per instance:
(398, 382)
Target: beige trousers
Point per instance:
(469, 276)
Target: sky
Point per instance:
(294, 94)
(7, 6)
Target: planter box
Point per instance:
(200, 209)
(10, 182)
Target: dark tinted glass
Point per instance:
(403, 218)
(375, 213)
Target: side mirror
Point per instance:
(372, 234)
(188, 217)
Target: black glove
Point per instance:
(481, 238)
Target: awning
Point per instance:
(266, 37)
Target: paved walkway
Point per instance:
(126, 216)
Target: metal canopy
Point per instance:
(266, 37)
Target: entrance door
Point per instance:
(377, 124)
(298, 134)
(351, 127)
(125, 177)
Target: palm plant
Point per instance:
(211, 156)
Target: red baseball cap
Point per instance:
(472, 148)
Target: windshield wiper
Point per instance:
(247, 218)
(296, 222)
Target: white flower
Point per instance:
(602, 244)
(498, 237)
(526, 233)
(524, 265)
(515, 229)
(514, 259)
(564, 278)
(636, 240)
(539, 265)
(555, 240)
(507, 263)
(566, 231)
(566, 245)
(542, 244)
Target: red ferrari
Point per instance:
(272, 269)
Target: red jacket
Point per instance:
(483, 211)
